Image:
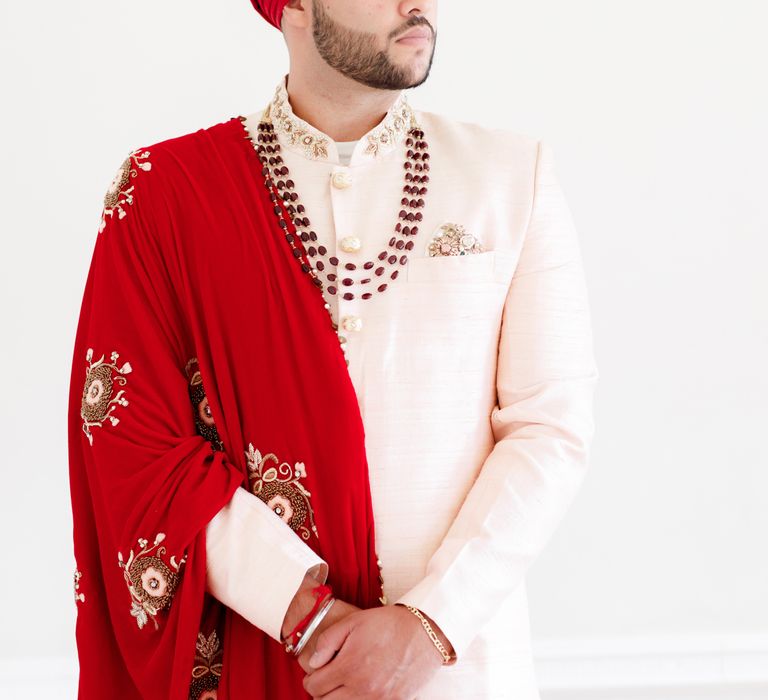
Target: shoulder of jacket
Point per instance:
(482, 138)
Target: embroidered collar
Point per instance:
(301, 136)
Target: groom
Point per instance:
(474, 370)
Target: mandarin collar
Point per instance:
(300, 136)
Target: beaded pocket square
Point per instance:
(452, 239)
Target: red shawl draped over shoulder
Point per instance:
(193, 293)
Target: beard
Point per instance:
(355, 55)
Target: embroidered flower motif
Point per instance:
(279, 487)
(299, 132)
(398, 120)
(314, 144)
(98, 403)
(79, 597)
(453, 240)
(204, 422)
(207, 669)
(119, 194)
(151, 582)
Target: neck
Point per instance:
(345, 110)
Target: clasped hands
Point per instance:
(380, 652)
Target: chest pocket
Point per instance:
(451, 308)
(492, 266)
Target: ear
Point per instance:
(296, 13)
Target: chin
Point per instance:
(418, 76)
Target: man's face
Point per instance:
(361, 40)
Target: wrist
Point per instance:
(301, 604)
(424, 631)
(445, 641)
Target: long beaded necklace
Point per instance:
(278, 182)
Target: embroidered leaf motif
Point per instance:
(207, 669)
(140, 614)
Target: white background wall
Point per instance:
(657, 113)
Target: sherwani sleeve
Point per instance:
(256, 563)
(542, 426)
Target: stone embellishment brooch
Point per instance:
(452, 239)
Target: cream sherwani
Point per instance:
(475, 377)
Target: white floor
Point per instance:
(693, 668)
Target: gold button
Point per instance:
(341, 179)
(352, 323)
(350, 244)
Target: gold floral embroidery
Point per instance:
(279, 487)
(398, 121)
(204, 422)
(79, 597)
(298, 131)
(395, 124)
(98, 403)
(453, 239)
(207, 670)
(150, 580)
(119, 194)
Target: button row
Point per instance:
(349, 244)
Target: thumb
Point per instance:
(329, 642)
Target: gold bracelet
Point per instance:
(447, 658)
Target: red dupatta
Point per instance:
(193, 292)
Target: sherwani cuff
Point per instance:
(438, 600)
(256, 562)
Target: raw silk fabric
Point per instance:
(190, 270)
(270, 10)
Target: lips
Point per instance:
(421, 33)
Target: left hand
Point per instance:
(383, 652)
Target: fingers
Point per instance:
(329, 642)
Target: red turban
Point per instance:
(270, 10)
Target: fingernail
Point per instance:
(314, 660)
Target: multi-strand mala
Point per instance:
(282, 187)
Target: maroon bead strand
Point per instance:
(416, 167)
(290, 238)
